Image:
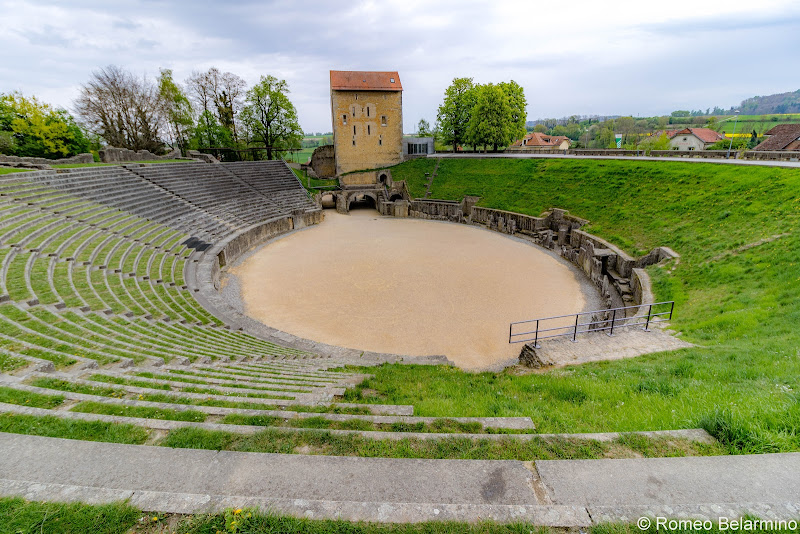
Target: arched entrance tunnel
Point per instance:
(362, 201)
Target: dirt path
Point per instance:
(406, 286)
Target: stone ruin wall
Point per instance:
(323, 162)
(123, 155)
(43, 163)
(620, 279)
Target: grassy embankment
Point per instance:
(314, 185)
(737, 293)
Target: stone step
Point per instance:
(559, 493)
(163, 424)
(242, 379)
(213, 381)
(306, 399)
(507, 423)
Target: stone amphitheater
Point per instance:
(109, 309)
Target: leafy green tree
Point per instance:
(454, 113)
(270, 116)
(177, 109)
(209, 133)
(424, 128)
(490, 123)
(33, 128)
(518, 114)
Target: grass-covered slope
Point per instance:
(736, 287)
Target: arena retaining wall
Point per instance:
(619, 277)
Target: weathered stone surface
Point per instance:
(529, 358)
(121, 155)
(80, 158)
(323, 162)
(208, 158)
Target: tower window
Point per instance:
(353, 111)
(383, 120)
(356, 95)
(344, 119)
(354, 142)
(367, 111)
(380, 140)
(354, 129)
(369, 130)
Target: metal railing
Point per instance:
(600, 321)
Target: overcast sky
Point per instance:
(581, 57)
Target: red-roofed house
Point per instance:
(694, 139)
(367, 109)
(540, 140)
(782, 137)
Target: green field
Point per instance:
(737, 293)
(759, 123)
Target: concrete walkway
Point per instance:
(794, 164)
(555, 493)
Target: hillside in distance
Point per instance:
(777, 103)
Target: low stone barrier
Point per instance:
(122, 155)
(604, 152)
(80, 158)
(772, 155)
(718, 154)
(619, 278)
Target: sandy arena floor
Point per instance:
(407, 286)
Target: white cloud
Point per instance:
(624, 57)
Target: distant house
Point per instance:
(782, 137)
(540, 140)
(694, 139)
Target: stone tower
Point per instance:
(367, 113)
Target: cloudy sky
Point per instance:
(628, 57)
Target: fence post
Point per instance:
(647, 325)
(510, 326)
(613, 319)
(671, 308)
(536, 339)
(575, 332)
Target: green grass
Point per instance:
(18, 516)
(63, 385)
(9, 363)
(26, 398)
(139, 411)
(737, 298)
(55, 427)
(9, 170)
(275, 440)
(314, 184)
(439, 426)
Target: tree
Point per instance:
(209, 134)
(220, 93)
(29, 127)
(490, 122)
(124, 110)
(177, 109)
(518, 114)
(424, 128)
(271, 117)
(454, 114)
